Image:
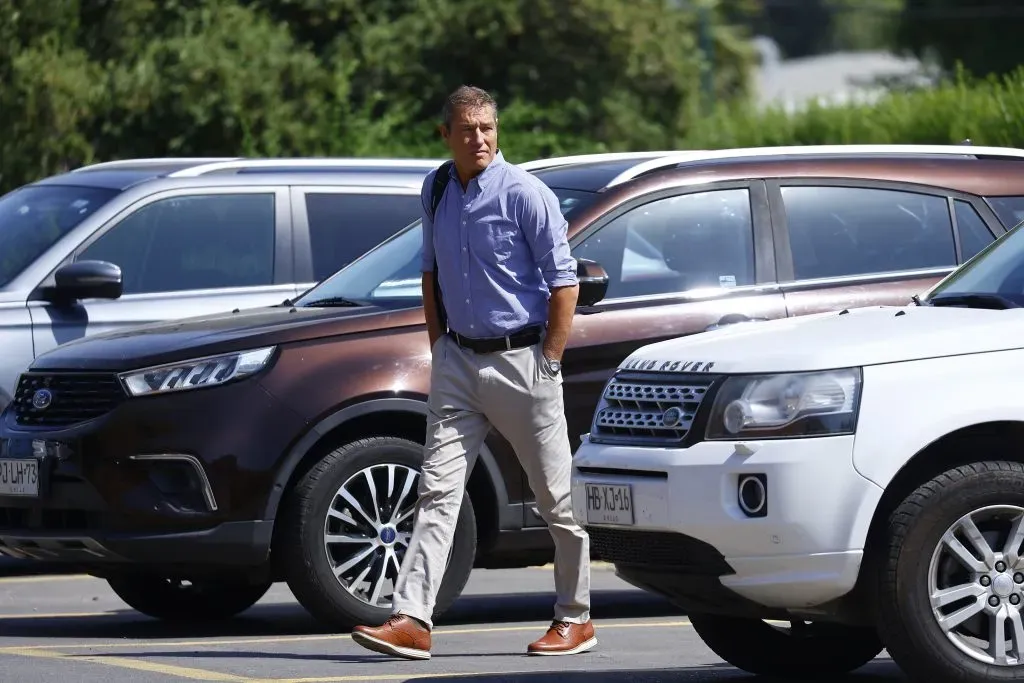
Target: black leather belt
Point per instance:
(527, 336)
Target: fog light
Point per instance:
(752, 495)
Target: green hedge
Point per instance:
(987, 111)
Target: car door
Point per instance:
(853, 243)
(336, 225)
(678, 261)
(182, 253)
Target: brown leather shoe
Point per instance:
(564, 638)
(400, 636)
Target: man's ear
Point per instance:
(443, 130)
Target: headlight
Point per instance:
(195, 373)
(787, 405)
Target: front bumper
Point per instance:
(243, 544)
(176, 479)
(804, 548)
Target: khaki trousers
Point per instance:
(513, 392)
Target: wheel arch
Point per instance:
(958, 447)
(401, 417)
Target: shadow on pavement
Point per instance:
(882, 671)
(291, 619)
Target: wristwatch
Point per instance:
(553, 365)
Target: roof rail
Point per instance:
(305, 163)
(668, 162)
(539, 164)
(155, 161)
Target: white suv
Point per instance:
(858, 475)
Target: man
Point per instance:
(509, 293)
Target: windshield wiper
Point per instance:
(974, 300)
(330, 301)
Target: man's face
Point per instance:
(472, 138)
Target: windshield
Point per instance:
(389, 274)
(32, 219)
(996, 270)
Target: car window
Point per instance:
(974, 234)
(32, 219)
(1009, 210)
(192, 242)
(841, 231)
(675, 244)
(344, 226)
(389, 273)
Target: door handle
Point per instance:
(732, 319)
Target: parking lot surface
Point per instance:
(74, 629)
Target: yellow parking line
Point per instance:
(58, 615)
(135, 664)
(46, 577)
(292, 639)
(394, 677)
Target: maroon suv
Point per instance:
(192, 463)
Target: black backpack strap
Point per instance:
(441, 179)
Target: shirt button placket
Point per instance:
(465, 249)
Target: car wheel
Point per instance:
(801, 651)
(952, 584)
(345, 528)
(174, 600)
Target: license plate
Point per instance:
(19, 477)
(609, 503)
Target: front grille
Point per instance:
(656, 549)
(73, 397)
(656, 411)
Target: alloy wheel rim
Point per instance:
(367, 530)
(976, 585)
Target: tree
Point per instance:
(981, 35)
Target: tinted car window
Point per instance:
(343, 226)
(974, 234)
(678, 243)
(389, 274)
(837, 231)
(1009, 210)
(197, 242)
(32, 219)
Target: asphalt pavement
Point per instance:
(73, 629)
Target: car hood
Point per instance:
(858, 337)
(180, 339)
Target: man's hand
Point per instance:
(434, 330)
(561, 309)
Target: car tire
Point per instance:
(806, 651)
(199, 601)
(302, 538)
(923, 563)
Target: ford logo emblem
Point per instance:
(42, 399)
(673, 417)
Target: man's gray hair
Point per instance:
(467, 97)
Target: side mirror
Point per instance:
(86, 280)
(593, 281)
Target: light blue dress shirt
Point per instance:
(501, 246)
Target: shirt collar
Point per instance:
(487, 174)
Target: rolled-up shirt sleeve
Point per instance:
(546, 232)
(428, 224)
